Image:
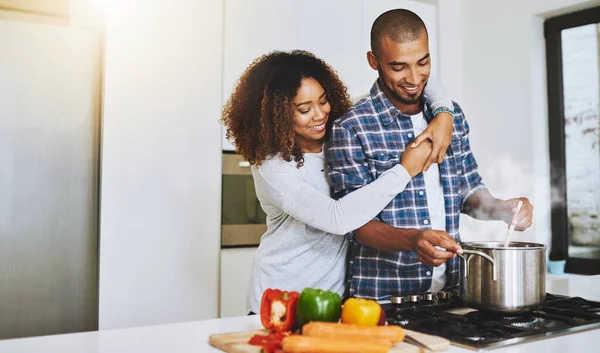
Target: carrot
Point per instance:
(307, 344)
(391, 334)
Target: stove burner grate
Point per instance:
(471, 333)
(526, 322)
(484, 330)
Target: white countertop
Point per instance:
(192, 337)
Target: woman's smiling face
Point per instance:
(311, 112)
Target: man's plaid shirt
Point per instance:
(368, 140)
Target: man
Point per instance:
(370, 139)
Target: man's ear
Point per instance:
(372, 60)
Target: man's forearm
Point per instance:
(483, 206)
(385, 237)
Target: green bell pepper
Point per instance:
(318, 305)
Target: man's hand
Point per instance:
(413, 159)
(424, 245)
(482, 205)
(508, 212)
(439, 131)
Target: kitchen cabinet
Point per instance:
(236, 266)
(251, 29)
(226, 145)
(49, 166)
(332, 31)
(337, 31)
(161, 163)
(343, 38)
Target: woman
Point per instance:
(279, 116)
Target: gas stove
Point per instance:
(443, 314)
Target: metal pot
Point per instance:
(499, 279)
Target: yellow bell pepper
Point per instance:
(362, 312)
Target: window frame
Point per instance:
(556, 126)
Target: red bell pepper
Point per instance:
(270, 343)
(278, 309)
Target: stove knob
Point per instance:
(397, 300)
(413, 298)
(429, 297)
(443, 295)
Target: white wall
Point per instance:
(493, 62)
(161, 163)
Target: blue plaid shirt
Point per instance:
(368, 140)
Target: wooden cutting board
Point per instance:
(237, 342)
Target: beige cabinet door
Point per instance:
(48, 7)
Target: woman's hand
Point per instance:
(439, 132)
(413, 159)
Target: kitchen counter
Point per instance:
(192, 337)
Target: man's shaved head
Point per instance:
(400, 25)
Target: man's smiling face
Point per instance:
(404, 69)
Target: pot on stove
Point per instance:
(503, 279)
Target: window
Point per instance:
(573, 64)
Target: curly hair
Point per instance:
(259, 115)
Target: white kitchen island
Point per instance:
(192, 337)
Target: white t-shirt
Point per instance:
(435, 203)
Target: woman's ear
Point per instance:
(372, 59)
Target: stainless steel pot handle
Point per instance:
(485, 256)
